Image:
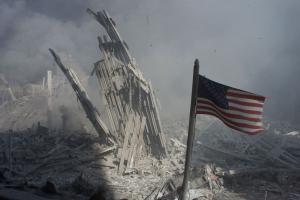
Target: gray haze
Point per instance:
(253, 45)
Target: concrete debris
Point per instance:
(80, 165)
(264, 150)
(65, 164)
(226, 163)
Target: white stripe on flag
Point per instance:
(244, 121)
(232, 111)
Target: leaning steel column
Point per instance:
(88, 107)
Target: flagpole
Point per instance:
(191, 132)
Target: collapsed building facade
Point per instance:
(130, 102)
(125, 91)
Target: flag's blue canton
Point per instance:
(213, 91)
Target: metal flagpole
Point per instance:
(191, 132)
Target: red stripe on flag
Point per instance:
(231, 126)
(229, 114)
(199, 100)
(238, 124)
(246, 96)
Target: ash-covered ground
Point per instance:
(38, 162)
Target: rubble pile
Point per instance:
(23, 112)
(78, 163)
(276, 147)
(227, 163)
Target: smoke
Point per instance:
(27, 35)
(252, 45)
(281, 66)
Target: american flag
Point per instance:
(238, 109)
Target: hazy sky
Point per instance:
(253, 45)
